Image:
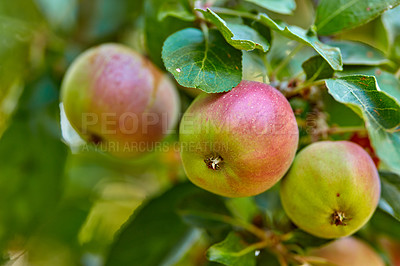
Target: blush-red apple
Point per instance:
(116, 98)
(238, 143)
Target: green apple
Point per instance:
(332, 189)
(238, 143)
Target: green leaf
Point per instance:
(155, 231)
(106, 18)
(340, 115)
(207, 64)
(278, 6)
(15, 36)
(22, 10)
(383, 223)
(357, 53)
(391, 22)
(174, 8)
(390, 199)
(317, 68)
(32, 160)
(61, 14)
(275, 217)
(240, 36)
(156, 31)
(380, 112)
(203, 209)
(267, 257)
(253, 66)
(280, 48)
(244, 209)
(232, 251)
(329, 53)
(387, 81)
(335, 16)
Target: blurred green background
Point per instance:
(60, 207)
(63, 208)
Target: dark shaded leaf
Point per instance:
(16, 34)
(275, 217)
(156, 31)
(154, 231)
(384, 223)
(203, 209)
(266, 257)
(317, 68)
(390, 199)
(32, 159)
(304, 240)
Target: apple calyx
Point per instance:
(95, 139)
(214, 162)
(339, 218)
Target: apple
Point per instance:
(348, 251)
(332, 189)
(118, 100)
(238, 143)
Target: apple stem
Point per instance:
(213, 162)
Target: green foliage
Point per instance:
(387, 81)
(317, 68)
(330, 54)
(380, 111)
(240, 36)
(31, 180)
(335, 16)
(390, 201)
(356, 53)
(203, 62)
(156, 31)
(60, 207)
(232, 251)
(278, 6)
(391, 23)
(155, 230)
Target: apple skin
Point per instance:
(251, 128)
(348, 251)
(116, 98)
(392, 249)
(329, 179)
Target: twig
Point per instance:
(341, 130)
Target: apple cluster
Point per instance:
(235, 144)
